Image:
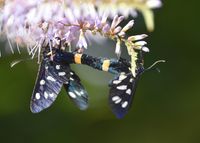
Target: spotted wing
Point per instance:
(77, 92)
(47, 87)
(72, 85)
(122, 90)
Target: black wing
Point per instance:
(77, 92)
(121, 93)
(48, 85)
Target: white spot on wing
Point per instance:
(72, 95)
(128, 91)
(122, 77)
(124, 105)
(71, 79)
(131, 80)
(61, 73)
(116, 81)
(51, 95)
(71, 73)
(46, 95)
(37, 96)
(78, 93)
(81, 92)
(123, 73)
(57, 67)
(116, 99)
(42, 82)
(122, 87)
(50, 78)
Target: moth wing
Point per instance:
(46, 89)
(77, 92)
(122, 90)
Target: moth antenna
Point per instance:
(15, 62)
(154, 64)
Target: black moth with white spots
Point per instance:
(122, 90)
(51, 77)
(55, 72)
(123, 87)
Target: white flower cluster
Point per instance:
(34, 24)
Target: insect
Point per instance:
(122, 87)
(51, 77)
(55, 72)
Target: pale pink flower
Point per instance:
(34, 24)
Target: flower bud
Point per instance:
(128, 26)
(118, 48)
(137, 37)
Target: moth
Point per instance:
(122, 87)
(52, 76)
(55, 73)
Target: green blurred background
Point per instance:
(166, 107)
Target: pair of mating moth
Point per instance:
(55, 73)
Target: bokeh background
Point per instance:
(166, 106)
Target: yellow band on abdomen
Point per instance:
(77, 58)
(105, 65)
